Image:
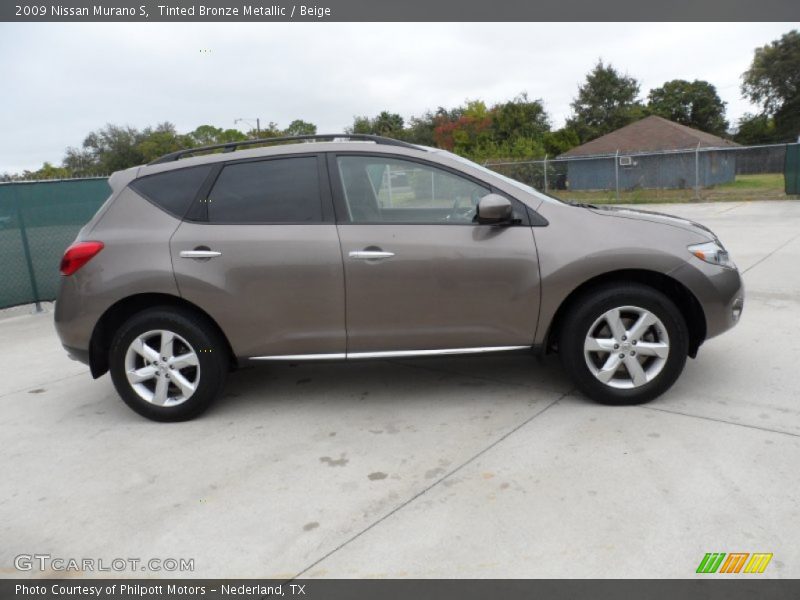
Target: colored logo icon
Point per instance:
(734, 562)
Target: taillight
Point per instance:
(78, 255)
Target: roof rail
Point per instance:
(233, 146)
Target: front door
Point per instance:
(419, 273)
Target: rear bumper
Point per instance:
(73, 322)
(77, 354)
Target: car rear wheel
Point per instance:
(624, 344)
(168, 364)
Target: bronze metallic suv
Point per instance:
(350, 247)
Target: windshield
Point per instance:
(517, 184)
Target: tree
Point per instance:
(80, 162)
(47, 171)
(270, 131)
(420, 130)
(113, 148)
(208, 135)
(160, 141)
(607, 101)
(470, 134)
(386, 124)
(695, 104)
(559, 141)
(755, 129)
(520, 118)
(300, 127)
(773, 81)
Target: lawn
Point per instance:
(769, 186)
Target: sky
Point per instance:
(58, 82)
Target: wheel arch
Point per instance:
(125, 308)
(683, 298)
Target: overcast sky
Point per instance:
(60, 81)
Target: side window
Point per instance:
(378, 189)
(172, 191)
(280, 190)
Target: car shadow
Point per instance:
(404, 381)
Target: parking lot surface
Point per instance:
(452, 467)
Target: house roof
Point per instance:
(651, 134)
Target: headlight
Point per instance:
(714, 253)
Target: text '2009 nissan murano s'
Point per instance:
(354, 247)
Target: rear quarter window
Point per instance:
(172, 191)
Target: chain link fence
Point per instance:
(38, 220)
(696, 174)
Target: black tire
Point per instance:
(204, 340)
(590, 307)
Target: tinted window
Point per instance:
(284, 190)
(381, 189)
(173, 190)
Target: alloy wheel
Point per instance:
(626, 347)
(162, 368)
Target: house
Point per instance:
(652, 153)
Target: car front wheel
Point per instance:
(624, 344)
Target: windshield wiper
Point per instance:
(582, 204)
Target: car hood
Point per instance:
(653, 217)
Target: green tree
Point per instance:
(160, 141)
(114, 147)
(605, 102)
(695, 104)
(420, 130)
(270, 131)
(386, 124)
(773, 81)
(520, 118)
(80, 162)
(774, 75)
(300, 127)
(47, 171)
(755, 129)
(360, 125)
(208, 135)
(559, 141)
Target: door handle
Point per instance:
(370, 254)
(199, 253)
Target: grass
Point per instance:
(765, 181)
(769, 186)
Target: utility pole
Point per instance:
(250, 120)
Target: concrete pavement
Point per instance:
(455, 467)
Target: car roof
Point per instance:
(234, 146)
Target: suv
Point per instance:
(349, 247)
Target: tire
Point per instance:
(171, 390)
(599, 355)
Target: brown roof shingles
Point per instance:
(651, 134)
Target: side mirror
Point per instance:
(493, 209)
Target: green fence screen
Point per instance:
(38, 220)
(792, 171)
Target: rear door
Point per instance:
(260, 253)
(420, 274)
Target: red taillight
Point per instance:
(78, 255)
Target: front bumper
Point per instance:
(719, 290)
